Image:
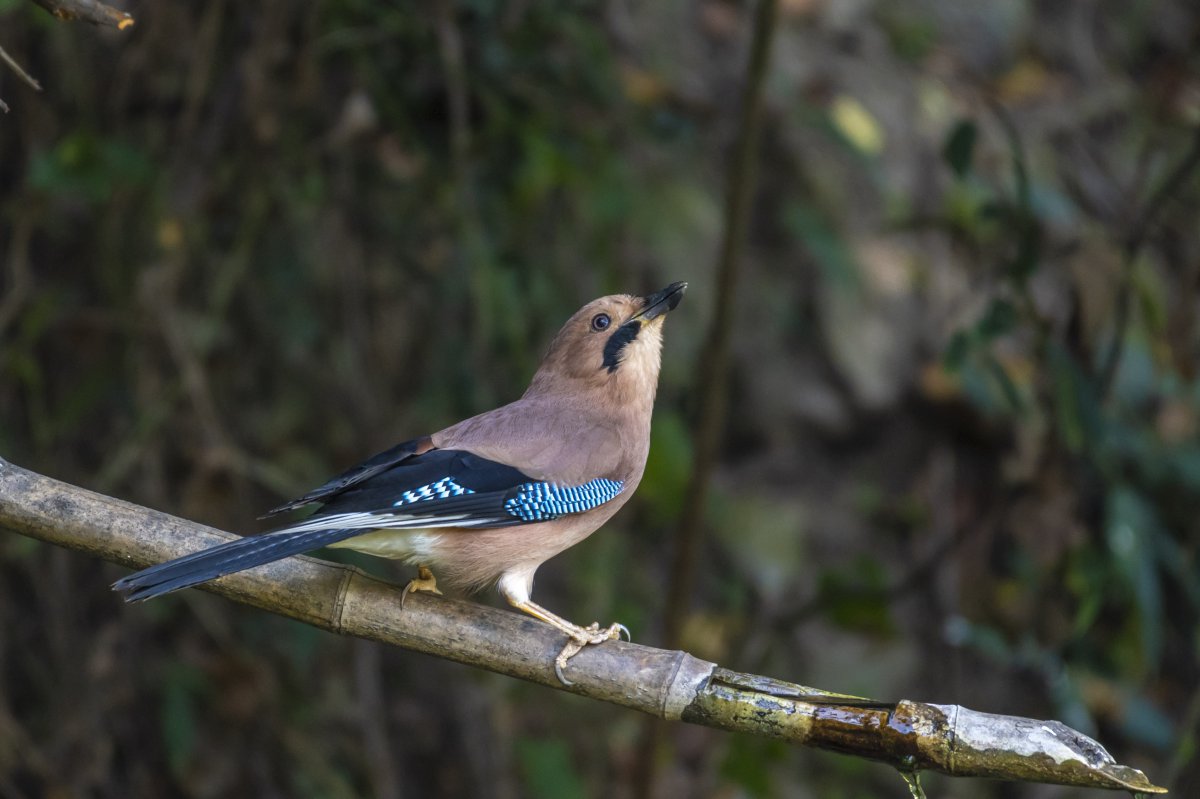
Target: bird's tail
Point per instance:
(227, 558)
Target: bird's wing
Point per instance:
(524, 462)
(453, 488)
(396, 490)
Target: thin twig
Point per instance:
(475, 259)
(711, 385)
(20, 281)
(377, 747)
(21, 73)
(454, 69)
(1139, 233)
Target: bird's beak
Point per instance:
(660, 302)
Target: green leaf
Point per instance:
(855, 598)
(748, 763)
(1185, 466)
(89, 167)
(668, 467)
(1000, 318)
(960, 147)
(1075, 402)
(1137, 381)
(1141, 721)
(912, 37)
(1151, 300)
(1029, 250)
(1011, 395)
(957, 351)
(547, 770)
(765, 537)
(178, 715)
(982, 638)
(815, 233)
(1131, 525)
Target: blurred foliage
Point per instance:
(244, 246)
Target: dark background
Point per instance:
(244, 245)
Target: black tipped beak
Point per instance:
(660, 302)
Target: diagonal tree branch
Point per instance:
(911, 736)
(91, 11)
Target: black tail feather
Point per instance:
(227, 558)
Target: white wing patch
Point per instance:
(386, 521)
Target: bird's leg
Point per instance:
(577, 637)
(424, 581)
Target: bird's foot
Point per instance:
(577, 637)
(424, 581)
(585, 636)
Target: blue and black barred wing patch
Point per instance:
(539, 502)
(453, 488)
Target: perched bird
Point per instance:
(491, 498)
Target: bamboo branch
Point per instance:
(911, 736)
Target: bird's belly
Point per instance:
(411, 545)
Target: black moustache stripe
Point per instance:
(617, 342)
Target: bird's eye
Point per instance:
(601, 321)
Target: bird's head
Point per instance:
(611, 345)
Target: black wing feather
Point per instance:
(227, 558)
(380, 493)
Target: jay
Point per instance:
(491, 498)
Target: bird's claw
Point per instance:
(573, 648)
(424, 581)
(590, 635)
